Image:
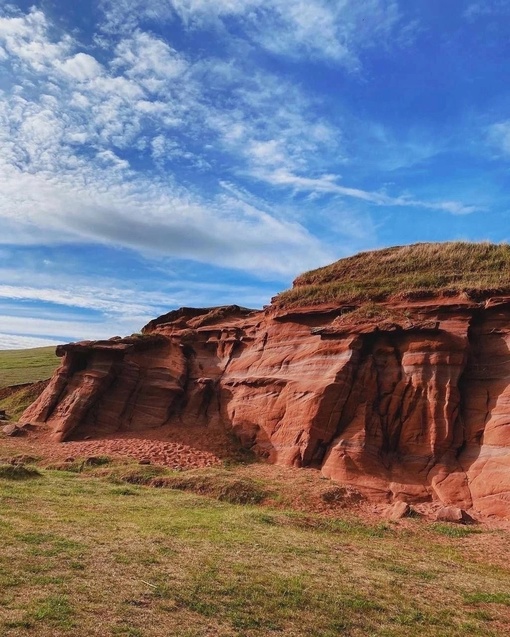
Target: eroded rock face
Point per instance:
(413, 410)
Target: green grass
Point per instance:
(477, 269)
(454, 530)
(222, 484)
(27, 365)
(82, 556)
(482, 597)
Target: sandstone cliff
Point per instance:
(403, 392)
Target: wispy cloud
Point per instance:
(109, 298)
(17, 341)
(334, 31)
(475, 10)
(327, 184)
(150, 217)
(64, 168)
(52, 330)
(68, 306)
(499, 136)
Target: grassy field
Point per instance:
(27, 365)
(416, 269)
(84, 555)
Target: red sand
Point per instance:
(166, 446)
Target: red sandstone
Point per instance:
(414, 411)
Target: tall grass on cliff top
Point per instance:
(477, 269)
(19, 366)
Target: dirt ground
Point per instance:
(166, 446)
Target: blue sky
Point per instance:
(159, 153)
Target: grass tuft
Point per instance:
(18, 472)
(221, 486)
(481, 597)
(54, 610)
(454, 530)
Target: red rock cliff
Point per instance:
(409, 400)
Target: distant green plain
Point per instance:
(19, 366)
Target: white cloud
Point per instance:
(273, 126)
(499, 136)
(335, 31)
(150, 217)
(476, 10)
(115, 299)
(149, 60)
(327, 184)
(323, 184)
(55, 330)
(46, 304)
(81, 67)
(25, 38)
(111, 160)
(16, 341)
(109, 300)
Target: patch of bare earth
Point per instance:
(167, 447)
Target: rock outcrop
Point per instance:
(407, 397)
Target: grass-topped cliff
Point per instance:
(477, 269)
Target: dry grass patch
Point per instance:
(423, 269)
